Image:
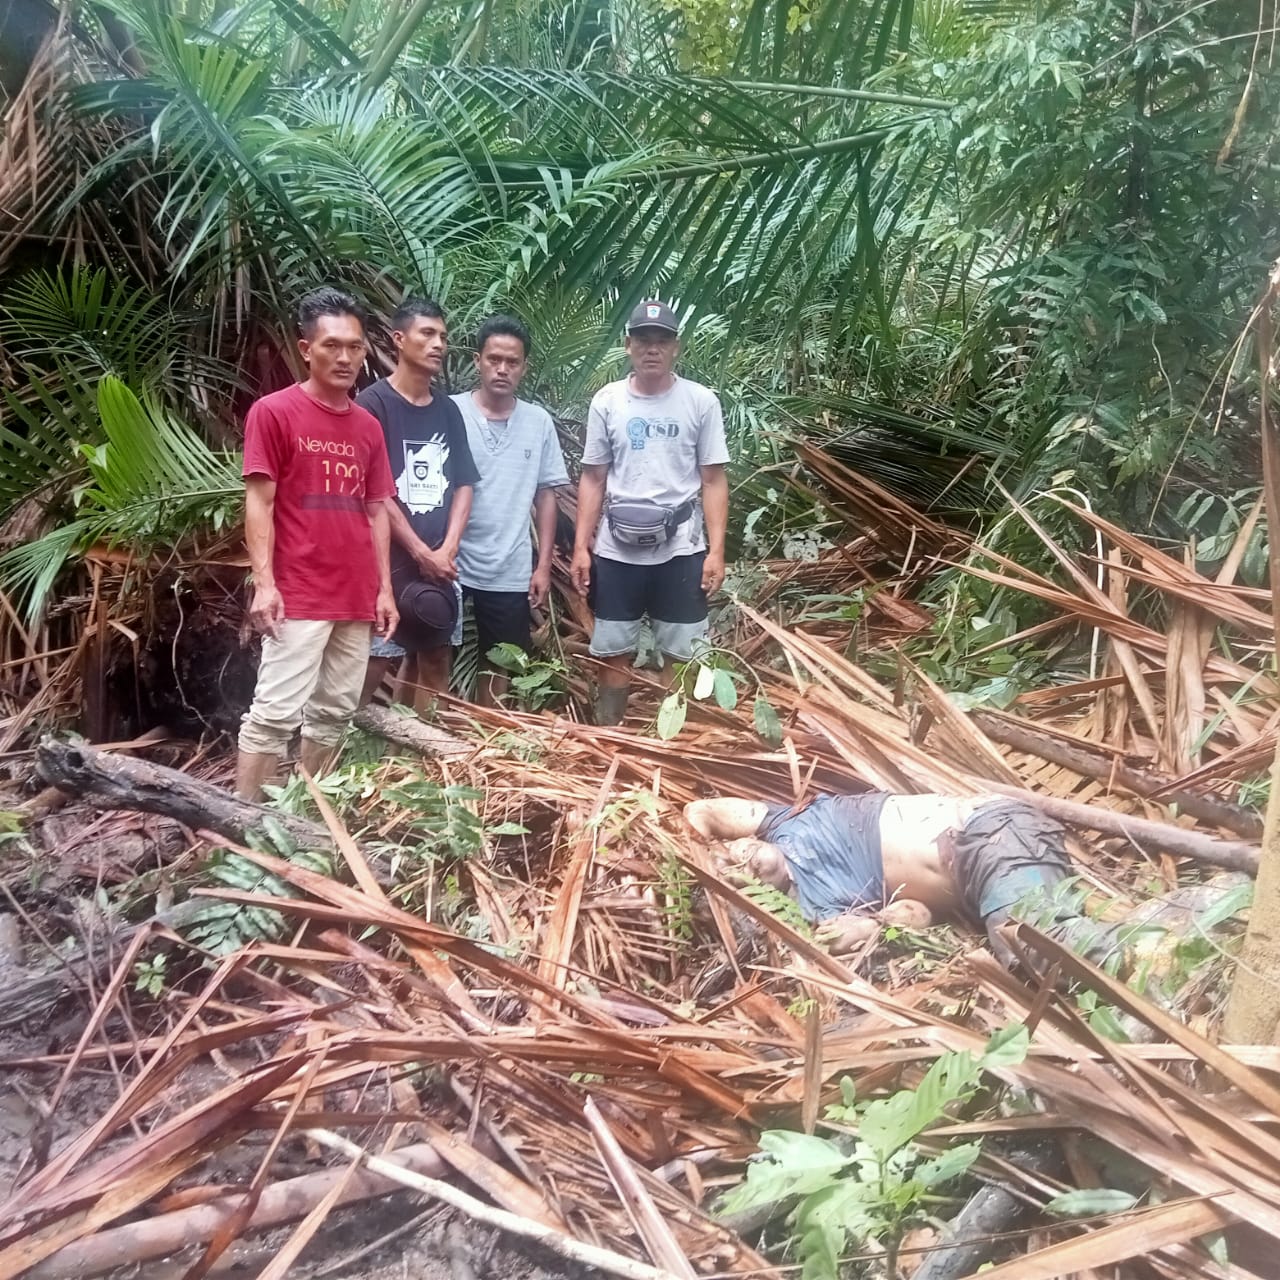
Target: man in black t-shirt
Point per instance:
(434, 473)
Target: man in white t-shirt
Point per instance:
(517, 453)
(653, 467)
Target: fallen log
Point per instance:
(409, 731)
(282, 1202)
(27, 996)
(125, 782)
(1106, 768)
(1146, 836)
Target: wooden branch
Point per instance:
(167, 1233)
(1142, 833)
(122, 782)
(409, 731)
(566, 1246)
(1025, 737)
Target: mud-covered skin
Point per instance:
(940, 856)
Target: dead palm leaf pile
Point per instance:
(578, 1033)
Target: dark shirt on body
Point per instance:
(832, 848)
(430, 459)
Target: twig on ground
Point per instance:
(588, 1254)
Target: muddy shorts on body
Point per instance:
(310, 675)
(1008, 852)
(670, 594)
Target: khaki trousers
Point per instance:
(310, 675)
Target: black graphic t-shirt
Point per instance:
(430, 458)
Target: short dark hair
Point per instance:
(503, 327)
(412, 309)
(326, 302)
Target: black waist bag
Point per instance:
(645, 524)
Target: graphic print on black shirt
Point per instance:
(430, 458)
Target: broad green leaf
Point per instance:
(1086, 1203)
(1008, 1047)
(671, 715)
(507, 829)
(726, 690)
(705, 682)
(767, 724)
(890, 1123)
(1234, 900)
(950, 1164)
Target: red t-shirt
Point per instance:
(326, 466)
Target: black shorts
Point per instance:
(670, 594)
(502, 617)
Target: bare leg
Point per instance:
(492, 687)
(316, 758)
(379, 669)
(671, 671)
(725, 818)
(426, 676)
(254, 769)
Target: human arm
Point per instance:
(844, 933)
(431, 564)
(384, 610)
(726, 817)
(715, 509)
(544, 519)
(266, 612)
(459, 514)
(591, 486)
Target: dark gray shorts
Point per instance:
(1008, 851)
(670, 594)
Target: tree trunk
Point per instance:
(122, 782)
(1253, 1009)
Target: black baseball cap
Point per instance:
(652, 314)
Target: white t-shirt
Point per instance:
(654, 447)
(515, 458)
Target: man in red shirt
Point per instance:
(316, 525)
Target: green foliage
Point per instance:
(777, 903)
(871, 1189)
(151, 478)
(1090, 1202)
(766, 721)
(672, 712)
(223, 927)
(538, 682)
(676, 901)
(149, 975)
(947, 241)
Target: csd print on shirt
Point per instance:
(641, 430)
(422, 483)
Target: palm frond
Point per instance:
(152, 478)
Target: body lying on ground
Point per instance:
(856, 861)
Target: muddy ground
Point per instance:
(58, 882)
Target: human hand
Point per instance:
(540, 587)
(266, 613)
(846, 932)
(712, 572)
(580, 571)
(386, 615)
(438, 566)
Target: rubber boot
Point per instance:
(254, 769)
(611, 703)
(316, 757)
